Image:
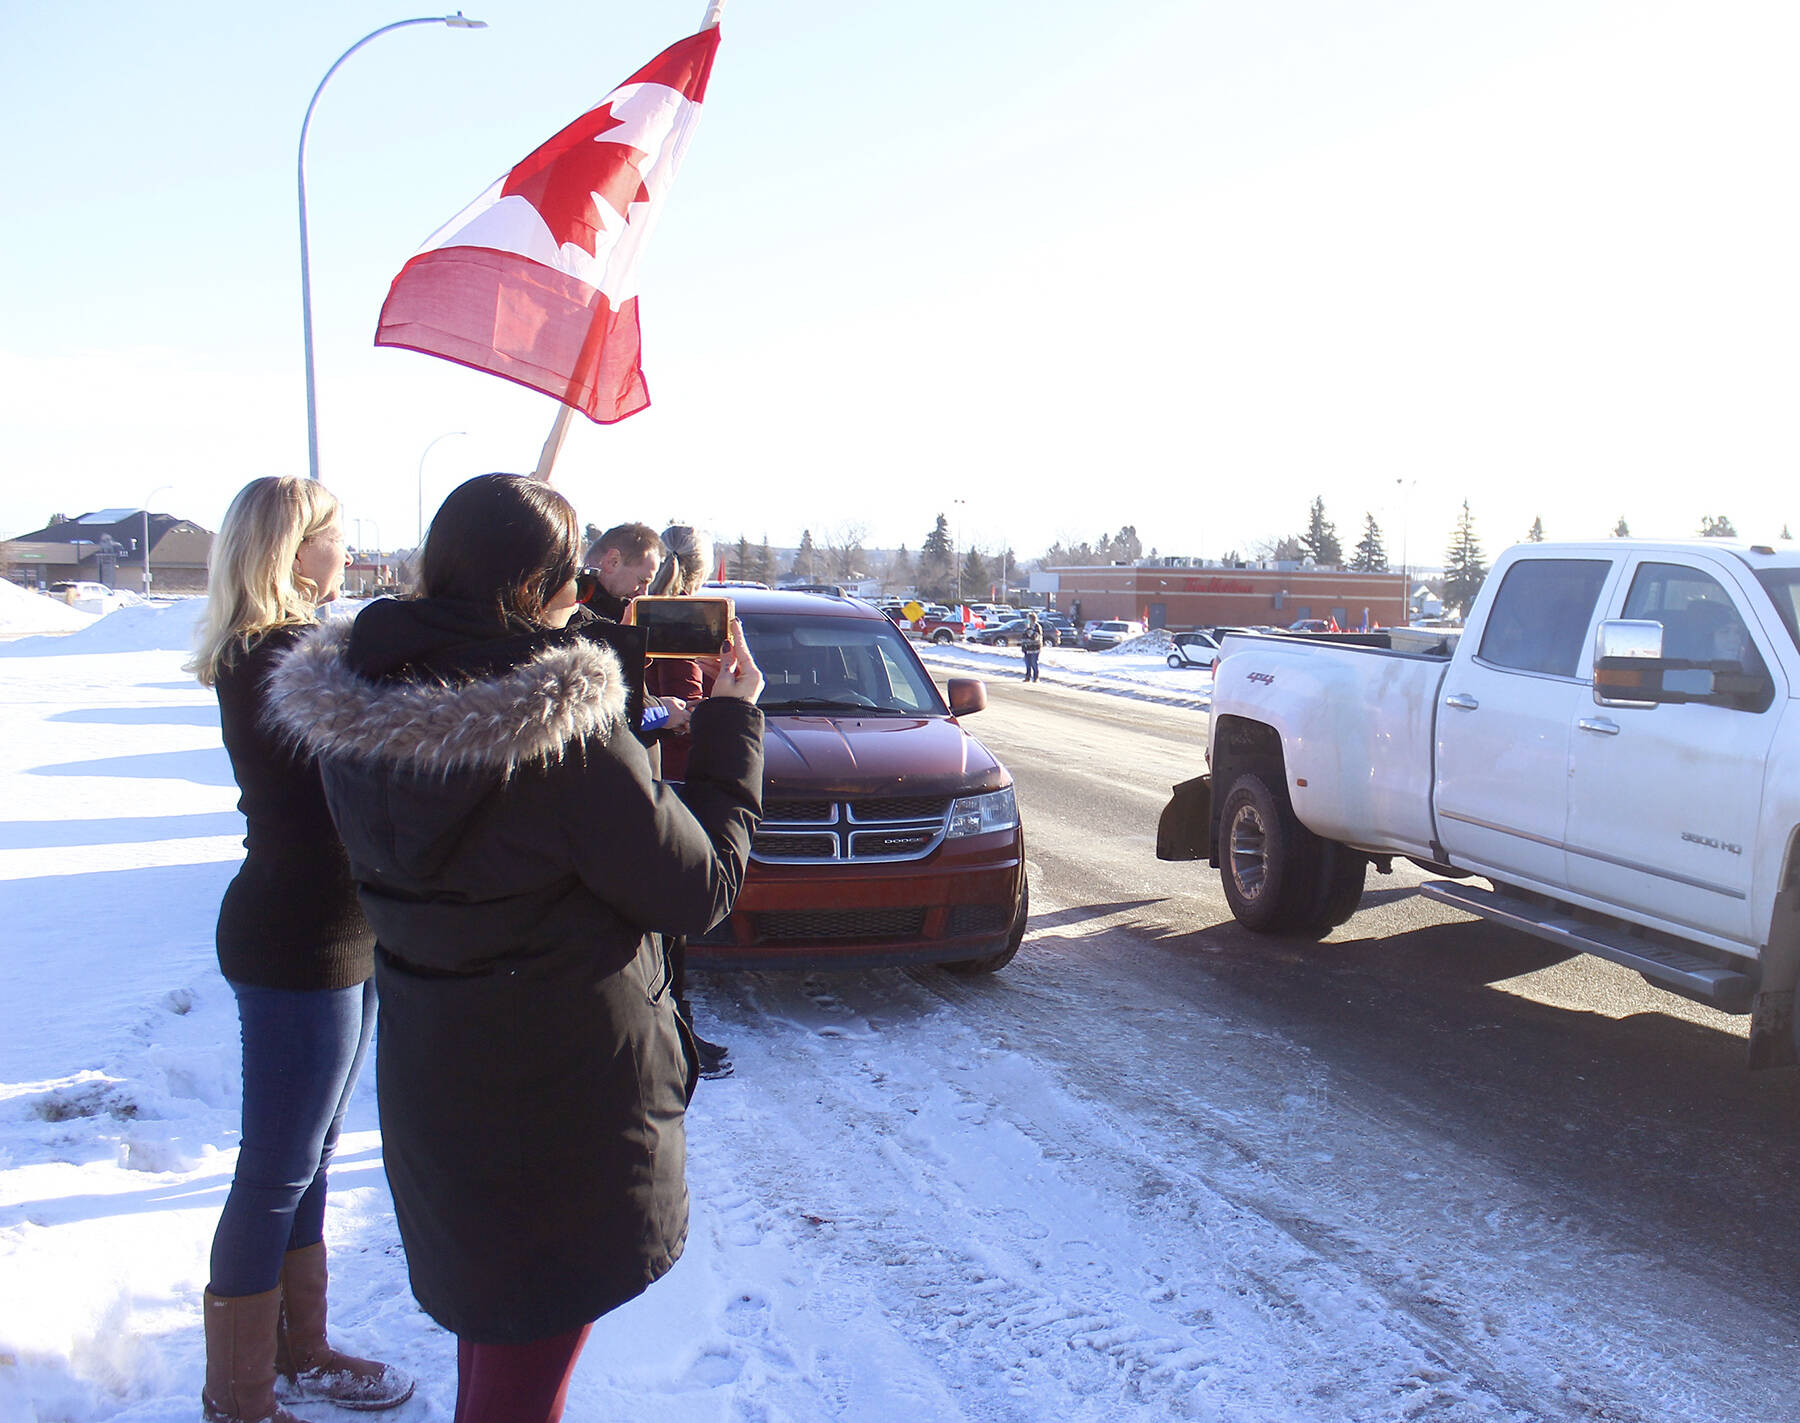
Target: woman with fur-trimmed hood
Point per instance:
(517, 861)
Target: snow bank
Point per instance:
(23, 611)
(144, 627)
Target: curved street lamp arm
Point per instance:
(455, 21)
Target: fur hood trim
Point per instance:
(536, 711)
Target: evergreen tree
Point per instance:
(740, 560)
(806, 559)
(1320, 539)
(1126, 546)
(1621, 530)
(975, 576)
(1785, 535)
(1535, 534)
(1370, 556)
(937, 562)
(900, 571)
(1464, 570)
(1716, 528)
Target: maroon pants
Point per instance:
(516, 1383)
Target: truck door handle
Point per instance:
(1599, 725)
(1462, 701)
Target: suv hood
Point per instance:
(850, 755)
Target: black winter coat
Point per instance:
(516, 859)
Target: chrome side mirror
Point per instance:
(1617, 645)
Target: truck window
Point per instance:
(1700, 622)
(1783, 587)
(1541, 614)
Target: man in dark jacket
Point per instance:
(625, 558)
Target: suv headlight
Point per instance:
(982, 814)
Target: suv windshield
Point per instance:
(827, 665)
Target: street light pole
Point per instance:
(1406, 489)
(153, 493)
(455, 22)
(448, 434)
(362, 550)
(956, 547)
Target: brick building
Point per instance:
(1177, 595)
(108, 547)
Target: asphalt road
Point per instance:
(1420, 1139)
(1626, 1107)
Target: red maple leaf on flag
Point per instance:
(560, 177)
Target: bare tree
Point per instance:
(844, 558)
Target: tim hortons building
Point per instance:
(1175, 594)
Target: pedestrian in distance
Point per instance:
(683, 573)
(519, 863)
(298, 953)
(1031, 643)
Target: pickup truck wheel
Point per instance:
(993, 963)
(1271, 862)
(1345, 871)
(940, 637)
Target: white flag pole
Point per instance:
(553, 444)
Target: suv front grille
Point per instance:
(802, 925)
(817, 832)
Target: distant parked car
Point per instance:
(1104, 636)
(1309, 625)
(1060, 632)
(1000, 634)
(1193, 649)
(73, 591)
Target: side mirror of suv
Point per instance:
(967, 694)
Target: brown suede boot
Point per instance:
(240, 1359)
(309, 1366)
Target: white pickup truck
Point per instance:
(1612, 743)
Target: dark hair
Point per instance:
(503, 540)
(632, 541)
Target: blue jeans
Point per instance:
(1031, 664)
(303, 1049)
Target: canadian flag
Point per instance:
(536, 279)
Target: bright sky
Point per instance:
(1181, 264)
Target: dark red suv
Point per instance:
(890, 834)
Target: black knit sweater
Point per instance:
(290, 919)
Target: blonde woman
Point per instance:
(297, 952)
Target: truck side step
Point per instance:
(1685, 973)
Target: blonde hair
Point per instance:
(251, 582)
(689, 561)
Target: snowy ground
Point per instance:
(119, 1115)
(1122, 672)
